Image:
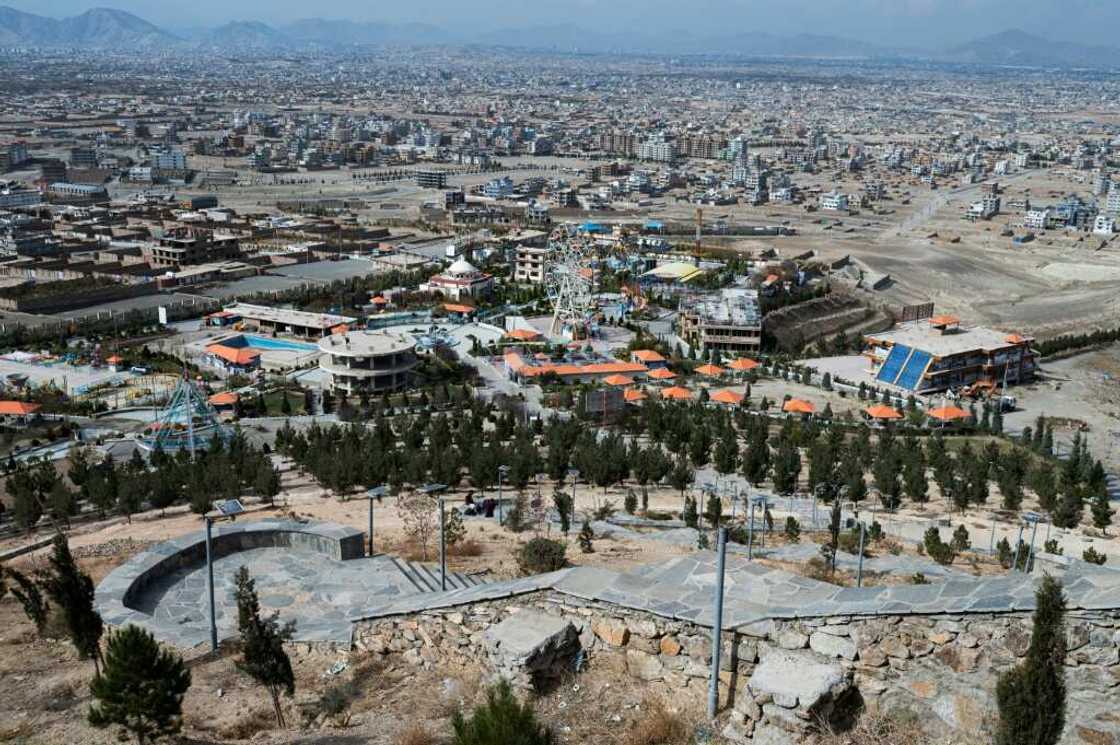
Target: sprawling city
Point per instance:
(416, 383)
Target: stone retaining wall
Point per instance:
(779, 677)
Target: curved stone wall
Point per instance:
(117, 593)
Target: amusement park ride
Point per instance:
(188, 421)
(568, 282)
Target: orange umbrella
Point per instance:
(727, 396)
(710, 370)
(618, 380)
(743, 364)
(677, 393)
(797, 406)
(949, 413)
(882, 411)
(662, 373)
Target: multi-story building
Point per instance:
(77, 194)
(171, 159)
(619, 143)
(834, 200)
(187, 247)
(15, 195)
(1112, 201)
(13, 155)
(730, 322)
(700, 146)
(658, 149)
(83, 157)
(531, 264)
(460, 280)
(354, 362)
(431, 179)
(1036, 219)
(937, 355)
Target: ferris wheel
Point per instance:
(568, 282)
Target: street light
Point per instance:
(1033, 518)
(227, 510)
(573, 474)
(502, 471)
(759, 501)
(437, 489)
(377, 493)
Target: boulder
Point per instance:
(801, 676)
(532, 649)
(832, 646)
(768, 734)
(612, 632)
(644, 666)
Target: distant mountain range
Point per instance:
(103, 28)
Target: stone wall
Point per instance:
(778, 678)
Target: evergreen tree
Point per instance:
(1092, 556)
(454, 530)
(1032, 696)
(630, 502)
(500, 721)
(563, 503)
(689, 515)
(586, 535)
(713, 511)
(793, 529)
(71, 590)
(29, 594)
(681, 475)
(1067, 514)
(1102, 511)
(266, 481)
(262, 642)
(142, 687)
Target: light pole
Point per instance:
(436, 489)
(573, 474)
(1018, 548)
(717, 623)
(502, 471)
(862, 536)
(1034, 519)
(227, 510)
(377, 493)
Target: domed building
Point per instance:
(461, 280)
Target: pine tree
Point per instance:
(713, 511)
(563, 503)
(689, 514)
(266, 481)
(500, 721)
(630, 502)
(30, 595)
(262, 642)
(1102, 512)
(793, 530)
(586, 535)
(1032, 696)
(142, 687)
(71, 590)
(454, 530)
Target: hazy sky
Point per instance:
(926, 23)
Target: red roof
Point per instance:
(618, 380)
(662, 373)
(797, 406)
(882, 411)
(948, 413)
(744, 364)
(234, 355)
(455, 308)
(678, 393)
(115, 360)
(225, 398)
(523, 334)
(710, 370)
(634, 394)
(727, 396)
(18, 408)
(647, 355)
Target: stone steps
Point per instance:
(425, 578)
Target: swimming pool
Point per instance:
(268, 343)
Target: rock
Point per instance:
(834, 629)
(532, 645)
(647, 629)
(790, 638)
(942, 637)
(893, 646)
(1077, 636)
(872, 657)
(799, 675)
(747, 651)
(612, 632)
(920, 647)
(736, 733)
(960, 659)
(968, 640)
(669, 646)
(1018, 639)
(746, 706)
(832, 646)
(643, 665)
(767, 734)
(1093, 736)
(923, 688)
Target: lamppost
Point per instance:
(573, 474)
(717, 623)
(755, 502)
(377, 493)
(502, 471)
(862, 539)
(1033, 519)
(227, 510)
(436, 489)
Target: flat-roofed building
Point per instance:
(367, 361)
(938, 354)
(186, 248)
(283, 320)
(730, 321)
(531, 264)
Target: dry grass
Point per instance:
(466, 547)
(417, 734)
(659, 726)
(247, 724)
(898, 728)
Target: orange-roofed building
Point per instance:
(710, 370)
(728, 397)
(634, 395)
(458, 309)
(743, 364)
(618, 380)
(662, 373)
(882, 412)
(341, 328)
(648, 357)
(18, 409)
(525, 335)
(225, 399)
(234, 359)
(677, 393)
(949, 414)
(798, 406)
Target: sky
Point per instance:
(914, 23)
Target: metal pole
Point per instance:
(499, 495)
(210, 585)
(1018, 547)
(717, 623)
(442, 547)
(992, 541)
(859, 572)
(1030, 556)
(370, 526)
(750, 535)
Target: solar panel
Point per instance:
(914, 370)
(888, 373)
(230, 507)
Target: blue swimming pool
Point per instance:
(265, 342)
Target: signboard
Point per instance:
(163, 315)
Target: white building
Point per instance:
(460, 280)
(1104, 225)
(369, 361)
(657, 148)
(834, 201)
(1036, 219)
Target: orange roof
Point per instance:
(744, 364)
(662, 374)
(948, 413)
(618, 380)
(226, 398)
(455, 308)
(771, 278)
(945, 320)
(677, 393)
(797, 406)
(234, 355)
(1015, 339)
(379, 300)
(710, 370)
(341, 328)
(634, 394)
(614, 367)
(727, 396)
(18, 408)
(882, 411)
(523, 334)
(115, 359)
(647, 355)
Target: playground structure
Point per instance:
(187, 421)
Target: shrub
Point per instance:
(919, 579)
(658, 726)
(937, 549)
(541, 555)
(605, 510)
(960, 541)
(1092, 556)
(502, 720)
(1051, 547)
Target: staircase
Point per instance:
(425, 578)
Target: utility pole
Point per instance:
(717, 623)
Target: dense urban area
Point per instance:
(478, 394)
